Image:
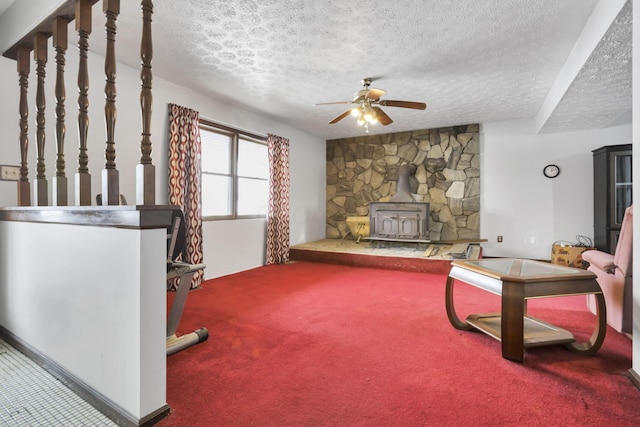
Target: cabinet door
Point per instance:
(622, 191)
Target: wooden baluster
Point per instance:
(24, 189)
(110, 179)
(83, 178)
(145, 171)
(40, 183)
(60, 186)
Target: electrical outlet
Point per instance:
(9, 173)
(499, 239)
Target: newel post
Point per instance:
(145, 170)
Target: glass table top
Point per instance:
(520, 267)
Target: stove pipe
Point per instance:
(403, 192)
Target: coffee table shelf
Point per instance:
(537, 332)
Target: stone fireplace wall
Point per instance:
(365, 169)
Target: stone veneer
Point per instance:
(365, 169)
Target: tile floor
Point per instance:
(31, 397)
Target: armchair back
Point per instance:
(614, 273)
(623, 257)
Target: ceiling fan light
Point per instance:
(369, 116)
(373, 120)
(361, 121)
(355, 112)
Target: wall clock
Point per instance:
(551, 171)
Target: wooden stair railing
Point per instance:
(24, 66)
(110, 179)
(60, 40)
(40, 56)
(83, 178)
(146, 172)
(36, 40)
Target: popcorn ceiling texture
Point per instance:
(604, 82)
(471, 61)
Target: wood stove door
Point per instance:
(387, 225)
(409, 226)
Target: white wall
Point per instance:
(229, 246)
(520, 203)
(100, 313)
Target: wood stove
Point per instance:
(402, 218)
(399, 221)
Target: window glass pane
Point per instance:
(215, 195)
(253, 159)
(252, 196)
(216, 151)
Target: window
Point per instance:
(235, 173)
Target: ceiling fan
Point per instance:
(367, 110)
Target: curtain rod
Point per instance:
(209, 122)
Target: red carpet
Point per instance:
(309, 344)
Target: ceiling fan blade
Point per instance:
(375, 93)
(404, 104)
(382, 116)
(340, 117)
(333, 103)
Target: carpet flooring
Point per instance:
(309, 344)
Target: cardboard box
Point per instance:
(569, 255)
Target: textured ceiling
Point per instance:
(602, 89)
(471, 61)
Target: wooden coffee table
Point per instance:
(517, 280)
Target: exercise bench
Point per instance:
(184, 273)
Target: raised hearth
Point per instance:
(389, 256)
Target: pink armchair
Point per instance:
(615, 277)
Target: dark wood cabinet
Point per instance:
(612, 193)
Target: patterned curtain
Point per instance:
(278, 214)
(184, 179)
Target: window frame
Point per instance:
(236, 135)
